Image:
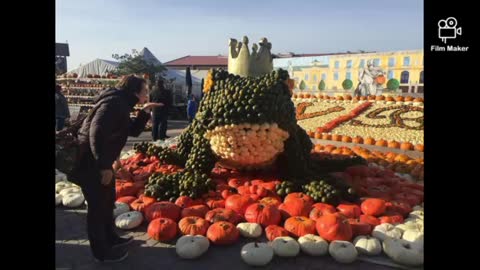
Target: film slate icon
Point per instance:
(447, 29)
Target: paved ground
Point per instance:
(72, 252)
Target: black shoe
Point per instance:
(113, 258)
(120, 242)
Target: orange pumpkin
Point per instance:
(337, 137)
(298, 196)
(419, 147)
(139, 205)
(311, 134)
(340, 98)
(162, 210)
(363, 98)
(193, 226)
(263, 214)
(216, 202)
(318, 135)
(346, 139)
(409, 98)
(329, 148)
(299, 226)
(223, 233)
(326, 136)
(295, 96)
(348, 97)
(389, 98)
(162, 229)
(274, 231)
(394, 144)
(399, 98)
(184, 201)
(127, 199)
(307, 95)
(356, 99)
(381, 142)
(406, 146)
(372, 97)
(337, 151)
(380, 79)
(380, 98)
(238, 203)
(295, 208)
(357, 139)
(320, 209)
(318, 147)
(333, 227)
(195, 211)
(402, 158)
(418, 100)
(221, 214)
(270, 201)
(369, 141)
(347, 152)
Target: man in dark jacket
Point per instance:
(102, 137)
(160, 114)
(62, 112)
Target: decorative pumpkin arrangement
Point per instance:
(191, 246)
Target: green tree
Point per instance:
(136, 64)
(321, 85)
(393, 84)
(302, 85)
(347, 84)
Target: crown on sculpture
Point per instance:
(245, 64)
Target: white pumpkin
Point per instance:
(73, 199)
(58, 199)
(313, 245)
(70, 190)
(410, 225)
(60, 177)
(402, 252)
(120, 208)
(386, 230)
(129, 220)
(415, 220)
(285, 246)
(343, 251)
(191, 246)
(249, 230)
(414, 236)
(418, 208)
(257, 254)
(367, 245)
(62, 185)
(418, 214)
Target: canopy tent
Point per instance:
(96, 67)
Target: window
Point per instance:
(376, 62)
(406, 61)
(335, 76)
(337, 64)
(315, 78)
(324, 76)
(306, 77)
(421, 77)
(391, 62)
(348, 75)
(390, 74)
(404, 77)
(349, 63)
(362, 63)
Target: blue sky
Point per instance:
(175, 28)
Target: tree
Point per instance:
(393, 84)
(347, 84)
(321, 85)
(302, 85)
(135, 64)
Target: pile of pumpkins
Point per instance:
(66, 193)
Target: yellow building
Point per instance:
(405, 66)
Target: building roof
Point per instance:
(61, 49)
(190, 60)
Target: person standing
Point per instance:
(160, 114)
(192, 107)
(101, 139)
(62, 112)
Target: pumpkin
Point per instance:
(295, 208)
(216, 202)
(184, 201)
(409, 98)
(402, 208)
(393, 144)
(298, 196)
(263, 214)
(357, 140)
(392, 218)
(346, 139)
(406, 146)
(349, 210)
(418, 214)
(162, 229)
(373, 207)
(359, 227)
(329, 148)
(343, 251)
(249, 230)
(399, 98)
(221, 214)
(274, 231)
(386, 230)
(334, 227)
(223, 233)
(72, 200)
(193, 225)
(270, 201)
(389, 98)
(326, 136)
(381, 142)
(162, 210)
(414, 236)
(127, 199)
(299, 226)
(58, 199)
(120, 208)
(62, 185)
(139, 205)
(337, 137)
(124, 188)
(191, 246)
(367, 245)
(320, 209)
(348, 97)
(313, 245)
(340, 98)
(402, 252)
(373, 221)
(369, 141)
(317, 135)
(237, 182)
(363, 98)
(410, 225)
(380, 80)
(196, 211)
(257, 254)
(70, 190)
(285, 246)
(238, 203)
(129, 220)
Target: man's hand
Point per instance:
(147, 107)
(107, 176)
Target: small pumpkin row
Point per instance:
(356, 99)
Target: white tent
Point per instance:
(96, 67)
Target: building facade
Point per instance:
(405, 66)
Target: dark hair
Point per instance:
(58, 88)
(131, 83)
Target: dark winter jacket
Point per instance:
(61, 106)
(161, 96)
(104, 135)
